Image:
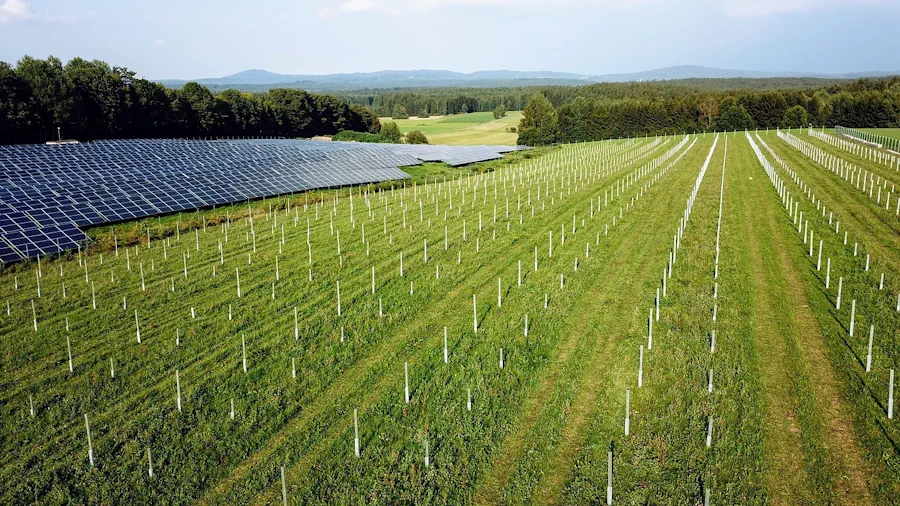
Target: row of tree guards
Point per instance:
(879, 189)
(658, 162)
(791, 205)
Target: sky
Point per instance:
(190, 39)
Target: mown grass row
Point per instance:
(534, 451)
(865, 393)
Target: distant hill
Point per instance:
(698, 72)
(258, 79)
(389, 79)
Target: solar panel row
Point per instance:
(47, 192)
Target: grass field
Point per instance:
(477, 128)
(493, 335)
(887, 132)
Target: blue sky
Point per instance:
(205, 38)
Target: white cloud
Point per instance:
(759, 8)
(20, 10)
(14, 10)
(399, 7)
(731, 8)
(159, 42)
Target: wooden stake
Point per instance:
(627, 412)
(474, 315)
(869, 354)
(284, 499)
(819, 261)
(840, 286)
(406, 382)
(355, 433)
(69, 347)
(87, 427)
(891, 396)
(609, 478)
(244, 353)
(641, 367)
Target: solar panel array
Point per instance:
(48, 192)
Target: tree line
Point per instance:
(608, 111)
(446, 100)
(424, 102)
(90, 100)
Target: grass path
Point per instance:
(607, 373)
(589, 330)
(784, 453)
(811, 453)
(572, 385)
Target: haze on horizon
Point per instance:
(205, 38)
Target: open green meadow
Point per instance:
(711, 317)
(887, 132)
(476, 128)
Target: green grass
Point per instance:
(477, 128)
(877, 235)
(441, 124)
(887, 132)
(540, 427)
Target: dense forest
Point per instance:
(592, 112)
(91, 100)
(441, 101)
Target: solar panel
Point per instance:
(48, 191)
(7, 254)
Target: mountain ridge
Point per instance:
(446, 78)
